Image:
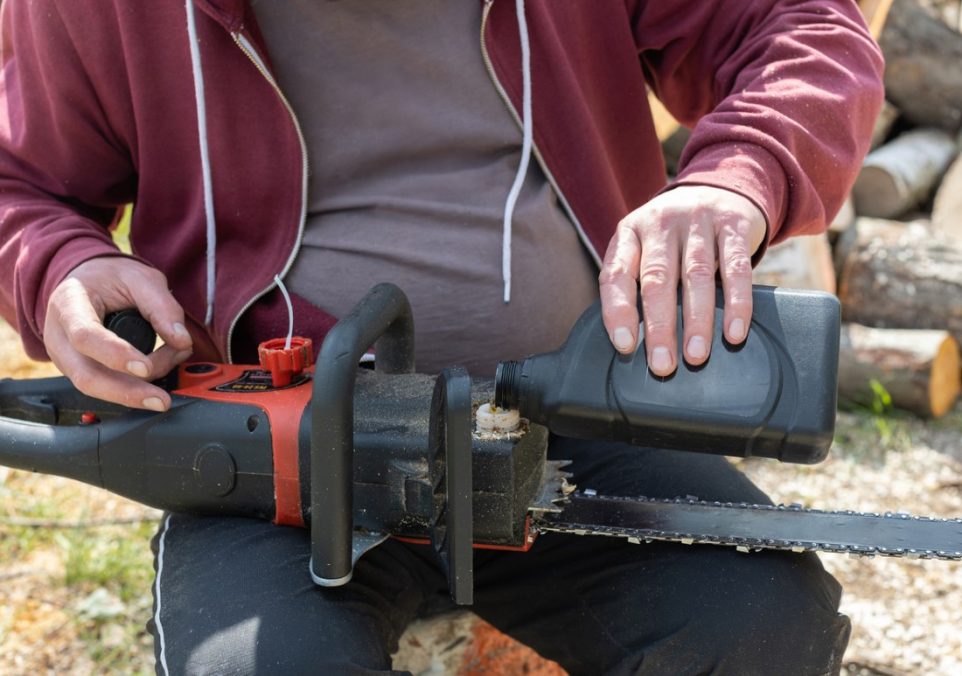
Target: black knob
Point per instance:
(132, 327)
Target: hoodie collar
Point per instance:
(231, 14)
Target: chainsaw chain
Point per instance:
(557, 523)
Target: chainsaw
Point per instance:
(362, 454)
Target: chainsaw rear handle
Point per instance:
(42, 428)
(382, 318)
(30, 437)
(43, 422)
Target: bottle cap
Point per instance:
(284, 363)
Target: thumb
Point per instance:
(157, 304)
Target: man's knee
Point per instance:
(231, 597)
(765, 613)
(253, 648)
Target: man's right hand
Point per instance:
(98, 362)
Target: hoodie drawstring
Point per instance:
(527, 142)
(527, 130)
(201, 103)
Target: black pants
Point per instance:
(233, 596)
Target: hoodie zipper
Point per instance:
(537, 153)
(245, 46)
(248, 49)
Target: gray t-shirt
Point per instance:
(412, 154)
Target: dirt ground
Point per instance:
(74, 601)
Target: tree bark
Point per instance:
(901, 275)
(922, 73)
(918, 369)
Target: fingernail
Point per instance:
(622, 339)
(736, 330)
(696, 348)
(181, 330)
(154, 404)
(138, 368)
(660, 359)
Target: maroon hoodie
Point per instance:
(97, 110)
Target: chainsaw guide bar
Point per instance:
(752, 527)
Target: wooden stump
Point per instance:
(901, 275)
(919, 369)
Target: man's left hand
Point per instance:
(681, 236)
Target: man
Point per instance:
(340, 143)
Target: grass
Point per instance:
(873, 428)
(115, 558)
(101, 576)
(866, 437)
(111, 571)
(952, 421)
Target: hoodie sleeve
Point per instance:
(781, 94)
(64, 174)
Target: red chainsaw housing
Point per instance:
(283, 406)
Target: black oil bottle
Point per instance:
(772, 396)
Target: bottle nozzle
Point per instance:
(507, 384)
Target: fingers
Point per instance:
(81, 327)
(618, 288)
(159, 307)
(681, 237)
(97, 380)
(736, 274)
(97, 361)
(698, 292)
(659, 297)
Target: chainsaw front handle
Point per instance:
(382, 318)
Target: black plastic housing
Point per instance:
(212, 458)
(773, 396)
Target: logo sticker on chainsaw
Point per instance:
(258, 380)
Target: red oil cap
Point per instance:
(285, 362)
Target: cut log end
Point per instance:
(944, 385)
(918, 369)
(878, 193)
